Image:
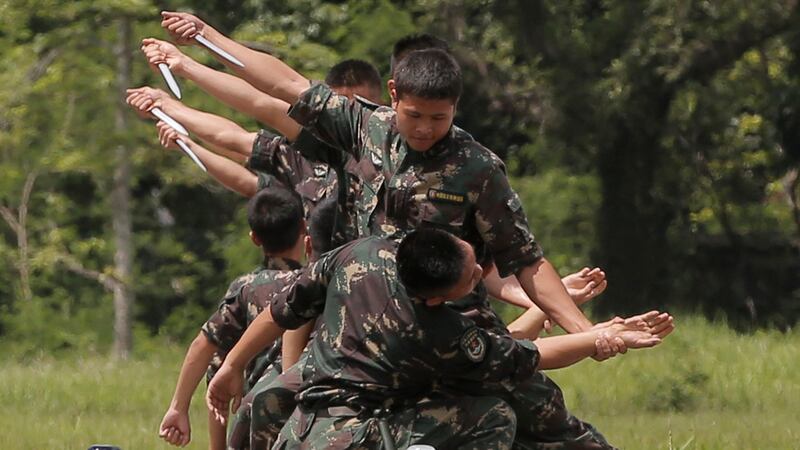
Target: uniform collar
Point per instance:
(438, 150)
(276, 263)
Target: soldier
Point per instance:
(385, 340)
(277, 226)
(241, 95)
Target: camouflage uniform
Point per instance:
(274, 158)
(245, 299)
(457, 185)
(298, 165)
(379, 349)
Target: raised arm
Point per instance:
(228, 173)
(232, 91)
(263, 71)
(216, 131)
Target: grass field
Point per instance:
(704, 388)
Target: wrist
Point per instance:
(180, 406)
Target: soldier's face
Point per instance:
(370, 93)
(470, 277)
(423, 122)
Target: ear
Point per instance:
(392, 91)
(307, 245)
(256, 241)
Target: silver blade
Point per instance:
(211, 46)
(190, 153)
(170, 79)
(161, 115)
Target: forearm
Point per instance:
(192, 371)
(561, 351)
(212, 129)
(507, 290)
(262, 332)
(216, 433)
(226, 172)
(529, 324)
(242, 96)
(543, 285)
(264, 71)
(294, 342)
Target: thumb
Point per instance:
(237, 401)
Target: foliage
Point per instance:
(656, 139)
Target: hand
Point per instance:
(585, 284)
(182, 27)
(175, 428)
(157, 51)
(608, 346)
(143, 99)
(167, 136)
(226, 385)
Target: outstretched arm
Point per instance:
(228, 173)
(175, 427)
(215, 131)
(232, 91)
(646, 330)
(263, 71)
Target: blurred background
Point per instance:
(657, 139)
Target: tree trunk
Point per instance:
(19, 225)
(120, 205)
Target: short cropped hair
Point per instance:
(429, 262)
(353, 73)
(275, 216)
(320, 226)
(431, 74)
(413, 42)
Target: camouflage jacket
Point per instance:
(376, 345)
(298, 165)
(274, 158)
(246, 297)
(458, 184)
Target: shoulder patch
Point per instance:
(436, 195)
(474, 344)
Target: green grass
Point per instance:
(706, 387)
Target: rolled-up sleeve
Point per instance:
(334, 119)
(503, 226)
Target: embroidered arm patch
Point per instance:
(474, 345)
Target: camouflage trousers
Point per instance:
(240, 432)
(272, 405)
(478, 423)
(543, 421)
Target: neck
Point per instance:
(295, 253)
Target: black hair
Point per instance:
(429, 262)
(320, 226)
(275, 216)
(413, 42)
(353, 73)
(430, 74)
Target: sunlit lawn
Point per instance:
(705, 388)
